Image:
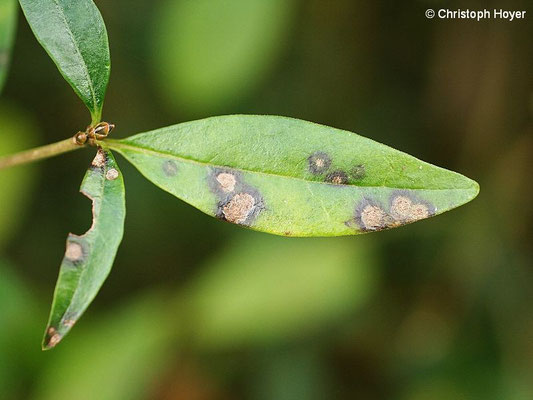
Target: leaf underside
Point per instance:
(291, 177)
(8, 19)
(73, 34)
(88, 258)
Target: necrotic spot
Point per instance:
(76, 251)
(337, 177)
(405, 207)
(226, 181)
(170, 168)
(239, 208)
(370, 216)
(53, 337)
(112, 174)
(319, 162)
(100, 159)
(358, 172)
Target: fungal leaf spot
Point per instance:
(53, 337)
(318, 162)
(100, 159)
(227, 181)
(358, 172)
(239, 208)
(169, 168)
(337, 177)
(404, 208)
(372, 217)
(112, 174)
(74, 252)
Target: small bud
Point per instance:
(80, 138)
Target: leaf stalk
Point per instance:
(38, 153)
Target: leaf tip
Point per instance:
(51, 338)
(472, 191)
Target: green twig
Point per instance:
(38, 153)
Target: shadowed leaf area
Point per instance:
(291, 177)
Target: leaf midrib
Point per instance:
(117, 145)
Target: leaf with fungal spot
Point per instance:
(8, 21)
(291, 177)
(88, 258)
(74, 35)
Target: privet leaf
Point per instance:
(88, 258)
(74, 35)
(291, 177)
(8, 19)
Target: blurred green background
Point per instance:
(198, 309)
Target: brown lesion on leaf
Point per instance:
(358, 172)
(319, 162)
(238, 202)
(223, 182)
(69, 323)
(100, 159)
(241, 207)
(226, 181)
(169, 168)
(76, 250)
(338, 177)
(373, 217)
(238, 208)
(403, 208)
(112, 174)
(52, 337)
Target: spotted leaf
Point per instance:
(74, 35)
(89, 257)
(291, 177)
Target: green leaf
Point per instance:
(291, 177)
(211, 53)
(8, 20)
(74, 35)
(88, 258)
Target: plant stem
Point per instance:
(38, 153)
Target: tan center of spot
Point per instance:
(112, 174)
(226, 181)
(239, 208)
(372, 217)
(403, 209)
(74, 251)
(99, 160)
